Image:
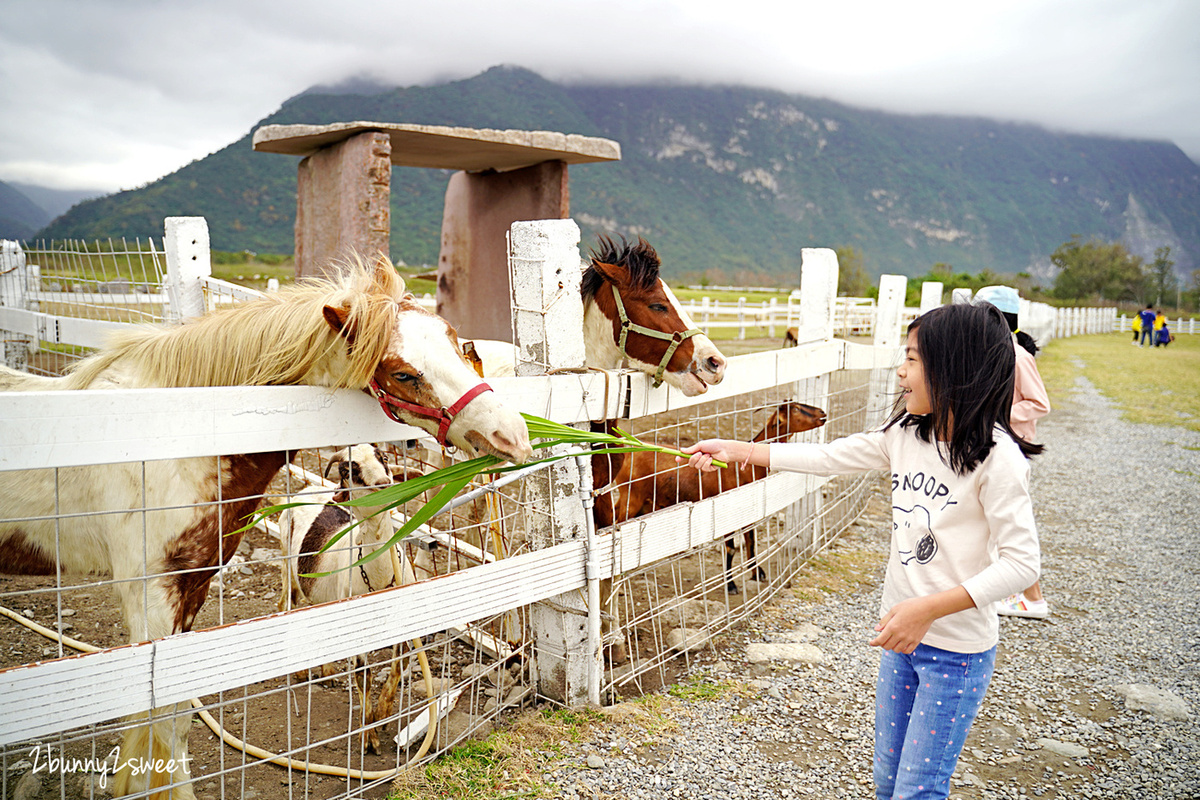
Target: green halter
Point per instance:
(676, 339)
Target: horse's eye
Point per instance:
(404, 377)
(658, 308)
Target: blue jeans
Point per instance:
(924, 705)
(1147, 335)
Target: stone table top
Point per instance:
(440, 147)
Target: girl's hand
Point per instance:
(905, 625)
(702, 453)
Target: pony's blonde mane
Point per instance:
(280, 339)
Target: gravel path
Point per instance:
(1119, 513)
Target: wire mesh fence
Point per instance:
(110, 281)
(291, 689)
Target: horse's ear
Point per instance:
(338, 318)
(612, 273)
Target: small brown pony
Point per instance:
(648, 481)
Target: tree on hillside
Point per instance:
(1193, 294)
(1162, 276)
(944, 274)
(853, 280)
(1097, 269)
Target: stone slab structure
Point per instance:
(504, 176)
(441, 147)
(343, 195)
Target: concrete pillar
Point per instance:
(14, 293)
(546, 270)
(473, 286)
(185, 240)
(343, 193)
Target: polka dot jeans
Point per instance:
(924, 705)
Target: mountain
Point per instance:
(54, 201)
(20, 217)
(728, 181)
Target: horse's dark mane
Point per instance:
(639, 258)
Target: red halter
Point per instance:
(444, 416)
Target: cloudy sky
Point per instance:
(112, 94)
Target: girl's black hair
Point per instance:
(969, 364)
(1023, 338)
(1028, 342)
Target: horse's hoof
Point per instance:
(731, 588)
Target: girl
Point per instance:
(963, 535)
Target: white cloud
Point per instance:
(116, 93)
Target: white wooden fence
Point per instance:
(855, 316)
(240, 662)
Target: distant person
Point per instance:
(1147, 316)
(1137, 328)
(1163, 336)
(1030, 403)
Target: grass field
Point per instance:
(1155, 385)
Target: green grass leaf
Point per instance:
(455, 477)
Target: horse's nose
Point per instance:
(715, 364)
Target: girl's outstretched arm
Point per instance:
(728, 450)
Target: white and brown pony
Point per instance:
(631, 319)
(358, 331)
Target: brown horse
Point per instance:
(648, 481)
(358, 331)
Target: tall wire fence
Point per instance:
(256, 692)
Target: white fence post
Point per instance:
(545, 271)
(960, 296)
(772, 310)
(818, 294)
(817, 309)
(892, 289)
(741, 312)
(931, 295)
(188, 264)
(14, 293)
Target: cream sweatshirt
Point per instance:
(975, 530)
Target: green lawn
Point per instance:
(1155, 385)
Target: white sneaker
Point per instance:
(1018, 605)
